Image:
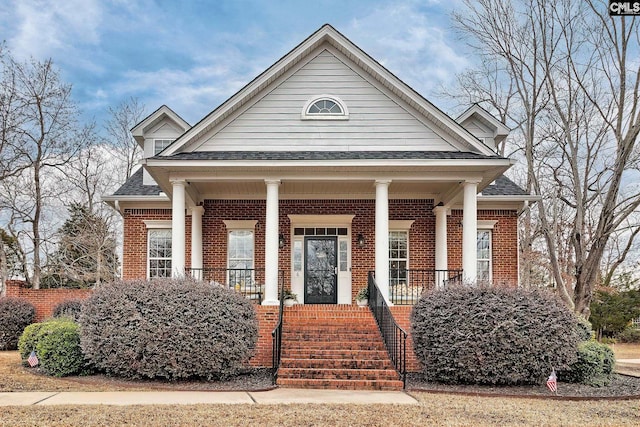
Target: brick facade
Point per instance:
(421, 234)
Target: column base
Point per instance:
(271, 302)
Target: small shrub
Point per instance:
(57, 345)
(28, 340)
(629, 335)
(69, 308)
(15, 315)
(168, 329)
(594, 365)
(492, 335)
(608, 341)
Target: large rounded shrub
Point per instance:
(15, 315)
(492, 335)
(168, 329)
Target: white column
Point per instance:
(382, 237)
(196, 241)
(470, 232)
(441, 244)
(178, 244)
(271, 246)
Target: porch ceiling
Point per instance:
(325, 189)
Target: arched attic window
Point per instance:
(325, 107)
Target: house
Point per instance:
(324, 167)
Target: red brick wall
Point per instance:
(421, 234)
(267, 320)
(44, 300)
(402, 315)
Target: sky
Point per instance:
(193, 54)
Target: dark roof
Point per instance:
(135, 187)
(503, 186)
(326, 155)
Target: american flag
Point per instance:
(552, 383)
(33, 359)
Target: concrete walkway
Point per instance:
(276, 396)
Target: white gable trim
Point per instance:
(498, 128)
(154, 119)
(329, 35)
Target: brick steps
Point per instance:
(386, 385)
(336, 363)
(334, 347)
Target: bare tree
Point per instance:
(42, 125)
(575, 103)
(118, 127)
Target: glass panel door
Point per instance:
(320, 284)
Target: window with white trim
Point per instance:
(160, 144)
(240, 249)
(484, 255)
(398, 257)
(159, 253)
(325, 107)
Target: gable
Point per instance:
(377, 120)
(327, 38)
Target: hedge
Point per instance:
(594, 365)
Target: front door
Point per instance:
(321, 275)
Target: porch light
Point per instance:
(281, 240)
(361, 241)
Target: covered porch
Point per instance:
(320, 226)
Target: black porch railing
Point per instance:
(276, 338)
(246, 281)
(406, 286)
(394, 337)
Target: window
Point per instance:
(240, 249)
(398, 257)
(484, 255)
(325, 107)
(159, 256)
(160, 144)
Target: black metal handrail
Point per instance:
(276, 337)
(246, 281)
(406, 286)
(394, 337)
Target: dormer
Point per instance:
(484, 126)
(156, 132)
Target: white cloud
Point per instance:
(44, 28)
(411, 41)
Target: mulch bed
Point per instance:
(621, 387)
(252, 380)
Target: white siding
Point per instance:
(375, 122)
(166, 129)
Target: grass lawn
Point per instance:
(433, 409)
